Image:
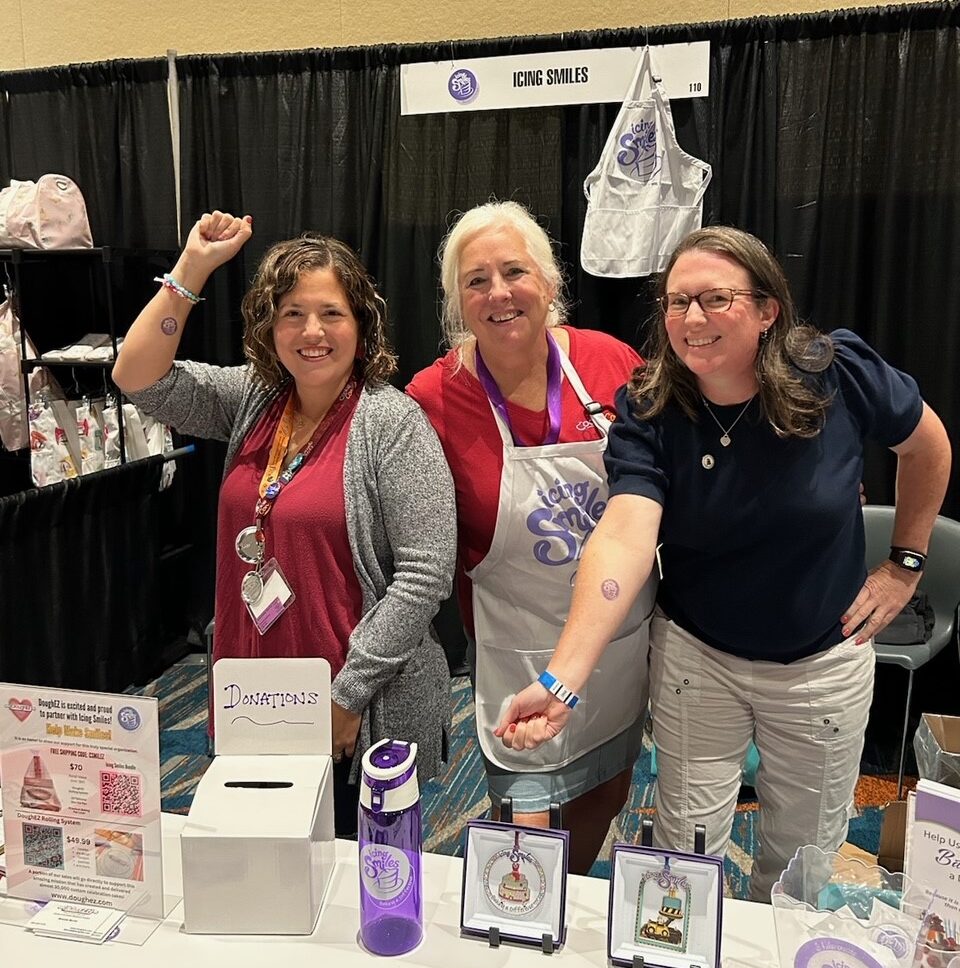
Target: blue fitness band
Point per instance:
(553, 685)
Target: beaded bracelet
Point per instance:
(168, 282)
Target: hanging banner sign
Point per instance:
(81, 798)
(539, 80)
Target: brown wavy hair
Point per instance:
(278, 273)
(789, 351)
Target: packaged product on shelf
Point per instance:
(91, 439)
(14, 432)
(134, 439)
(50, 459)
(111, 434)
(49, 213)
(160, 441)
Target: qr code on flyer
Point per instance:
(120, 793)
(42, 846)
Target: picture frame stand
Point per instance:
(699, 839)
(493, 936)
(556, 814)
(547, 944)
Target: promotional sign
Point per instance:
(81, 798)
(538, 80)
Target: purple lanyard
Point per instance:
(553, 392)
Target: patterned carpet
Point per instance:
(459, 794)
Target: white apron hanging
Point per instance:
(551, 498)
(645, 195)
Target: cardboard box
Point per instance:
(937, 748)
(892, 835)
(258, 854)
(258, 846)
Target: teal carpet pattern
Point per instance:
(460, 793)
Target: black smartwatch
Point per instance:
(907, 559)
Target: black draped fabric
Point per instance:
(106, 126)
(80, 606)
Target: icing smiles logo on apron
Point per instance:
(551, 498)
(646, 194)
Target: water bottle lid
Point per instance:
(389, 776)
(389, 758)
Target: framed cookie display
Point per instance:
(514, 881)
(666, 907)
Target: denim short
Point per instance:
(534, 792)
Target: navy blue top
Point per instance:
(764, 551)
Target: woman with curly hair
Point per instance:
(738, 448)
(334, 485)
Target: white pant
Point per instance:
(807, 718)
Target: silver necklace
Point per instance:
(725, 431)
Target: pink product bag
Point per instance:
(45, 214)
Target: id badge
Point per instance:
(273, 601)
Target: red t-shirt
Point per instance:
(457, 406)
(306, 531)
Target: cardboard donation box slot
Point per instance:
(258, 846)
(937, 747)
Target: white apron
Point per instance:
(551, 498)
(646, 194)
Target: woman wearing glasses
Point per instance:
(739, 447)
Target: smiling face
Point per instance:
(315, 332)
(504, 297)
(719, 348)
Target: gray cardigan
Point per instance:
(401, 525)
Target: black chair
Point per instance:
(940, 581)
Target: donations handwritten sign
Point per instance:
(272, 706)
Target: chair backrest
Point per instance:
(941, 576)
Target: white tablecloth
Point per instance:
(748, 933)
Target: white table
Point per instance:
(748, 932)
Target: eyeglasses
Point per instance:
(710, 300)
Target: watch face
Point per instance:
(910, 561)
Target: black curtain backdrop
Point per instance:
(106, 126)
(79, 565)
(832, 136)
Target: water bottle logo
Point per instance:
(385, 872)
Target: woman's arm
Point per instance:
(151, 342)
(415, 497)
(923, 471)
(616, 564)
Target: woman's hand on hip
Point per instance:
(533, 717)
(887, 589)
(346, 727)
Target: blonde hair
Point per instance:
(494, 215)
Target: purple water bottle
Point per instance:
(391, 844)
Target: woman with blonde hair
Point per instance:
(522, 405)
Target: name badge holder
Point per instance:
(515, 884)
(665, 908)
(264, 589)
